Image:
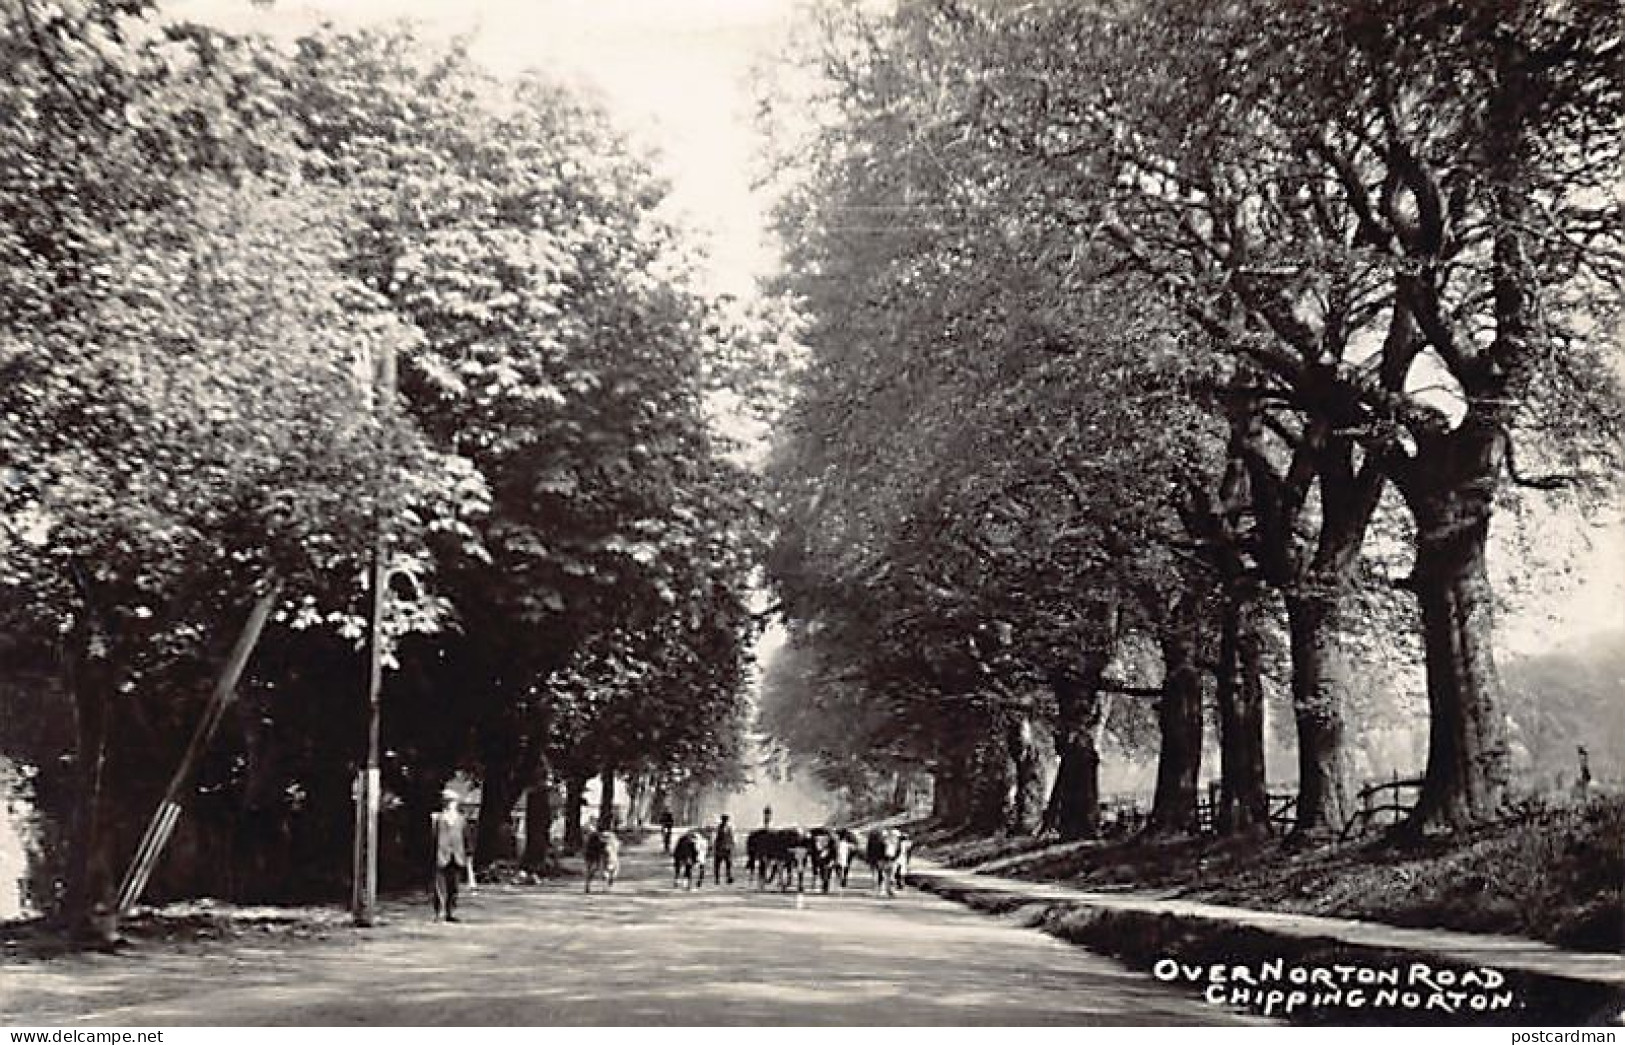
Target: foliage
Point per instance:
(1379, 243)
(216, 250)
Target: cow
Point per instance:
(756, 854)
(688, 859)
(780, 853)
(601, 853)
(882, 851)
(822, 851)
(794, 855)
(846, 847)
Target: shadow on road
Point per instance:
(645, 953)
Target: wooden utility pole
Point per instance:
(168, 812)
(369, 785)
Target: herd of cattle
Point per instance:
(785, 856)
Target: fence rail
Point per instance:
(1373, 809)
(1378, 803)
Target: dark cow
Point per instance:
(601, 852)
(756, 854)
(688, 859)
(783, 854)
(883, 852)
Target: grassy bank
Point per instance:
(1553, 874)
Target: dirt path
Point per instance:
(644, 954)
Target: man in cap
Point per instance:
(450, 855)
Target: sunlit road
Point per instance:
(644, 954)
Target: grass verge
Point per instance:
(1554, 874)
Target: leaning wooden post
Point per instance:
(168, 812)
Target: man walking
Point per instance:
(450, 855)
(667, 822)
(722, 848)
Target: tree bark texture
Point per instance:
(575, 797)
(90, 872)
(1074, 805)
(1243, 791)
(491, 835)
(1179, 716)
(1320, 675)
(606, 800)
(1468, 762)
(539, 821)
(991, 780)
(1025, 811)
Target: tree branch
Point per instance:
(1116, 686)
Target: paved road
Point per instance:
(644, 954)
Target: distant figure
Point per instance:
(767, 817)
(1582, 783)
(667, 822)
(450, 856)
(722, 848)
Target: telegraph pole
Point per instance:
(369, 785)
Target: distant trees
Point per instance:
(1295, 257)
(209, 245)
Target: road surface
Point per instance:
(643, 954)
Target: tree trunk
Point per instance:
(660, 798)
(1026, 810)
(539, 821)
(1179, 716)
(945, 805)
(951, 782)
(1320, 675)
(1243, 792)
(1468, 761)
(497, 800)
(1074, 805)
(606, 800)
(899, 791)
(989, 784)
(637, 788)
(575, 797)
(89, 899)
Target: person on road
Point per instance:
(450, 854)
(667, 822)
(722, 849)
(767, 817)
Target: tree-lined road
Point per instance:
(644, 954)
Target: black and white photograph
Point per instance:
(812, 513)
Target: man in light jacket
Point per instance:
(450, 854)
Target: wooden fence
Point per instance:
(1283, 808)
(1382, 803)
(1378, 803)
